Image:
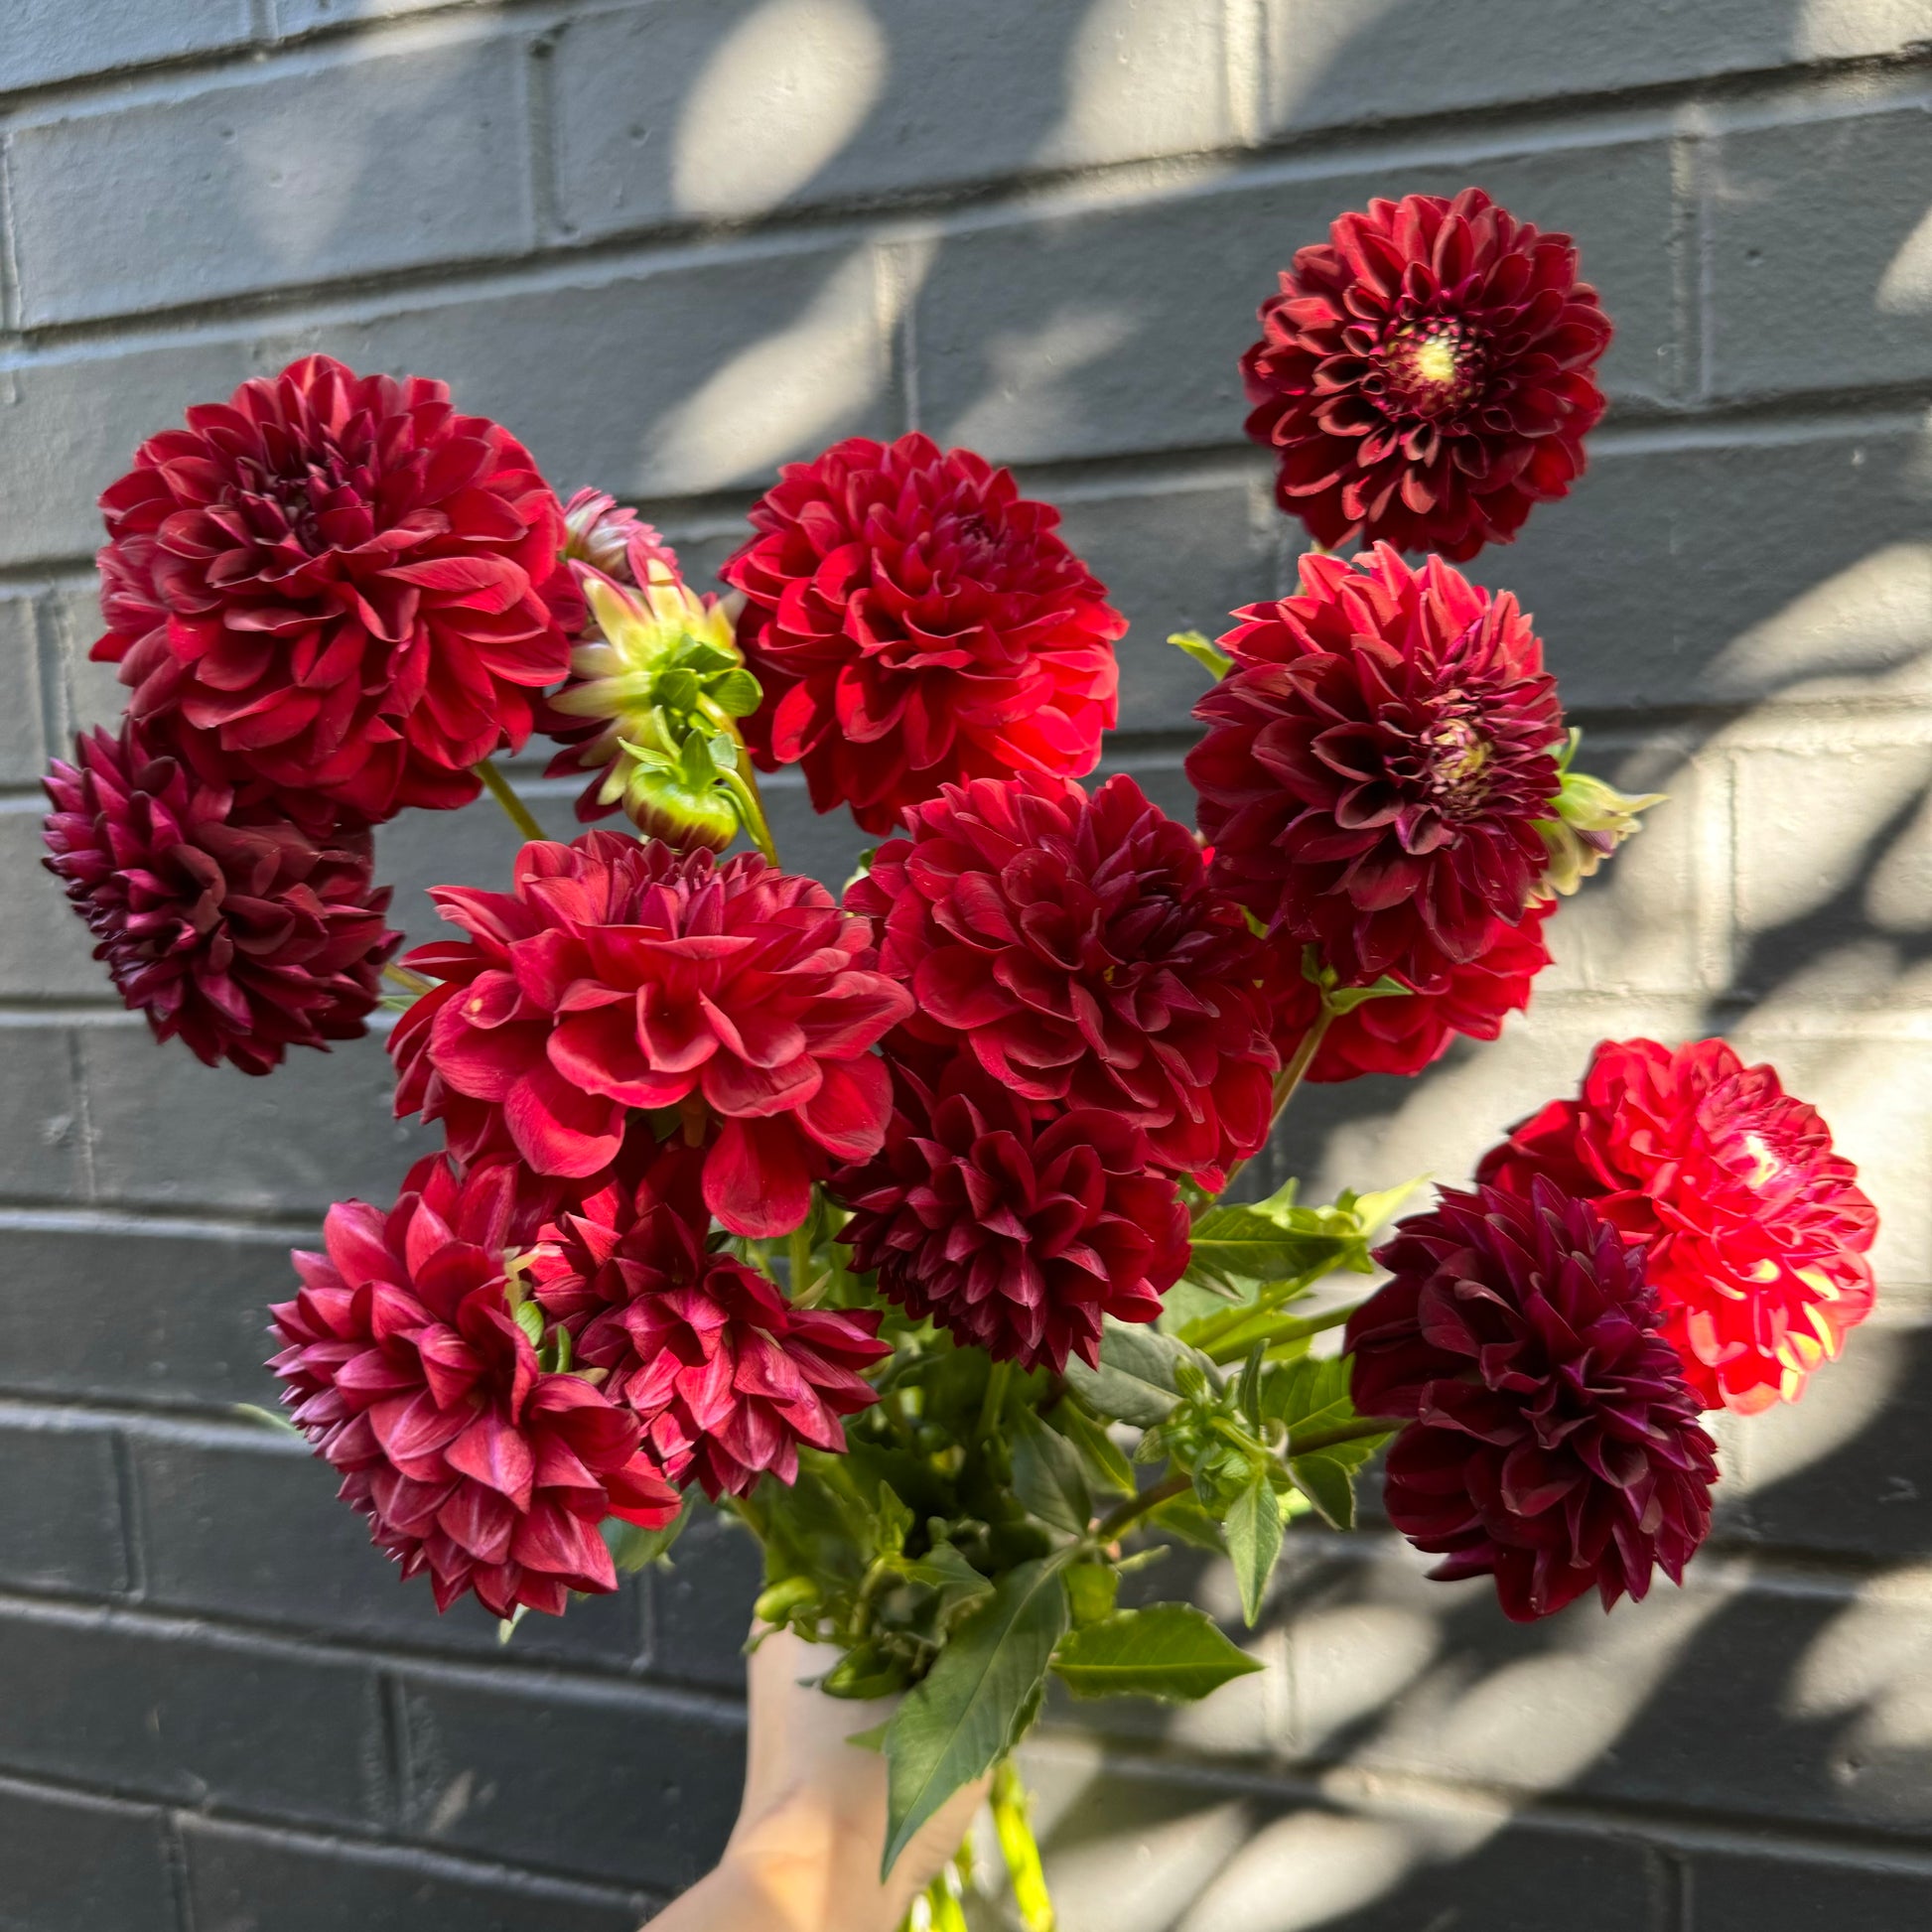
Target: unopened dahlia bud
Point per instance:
(649, 710)
(1592, 819)
(600, 533)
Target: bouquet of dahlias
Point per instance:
(894, 1224)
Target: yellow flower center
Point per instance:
(1436, 361)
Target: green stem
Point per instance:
(1021, 1848)
(504, 794)
(409, 982)
(1279, 1331)
(996, 1397)
(798, 1251)
(1134, 1507)
(1286, 1080)
(1342, 1432)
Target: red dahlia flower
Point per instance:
(356, 591)
(1425, 375)
(1077, 945)
(1754, 1229)
(1405, 1033)
(227, 924)
(619, 975)
(913, 621)
(1552, 1441)
(1377, 762)
(407, 1369)
(727, 1376)
(1015, 1224)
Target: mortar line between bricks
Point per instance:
(129, 1503)
(173, 1850)
(9, 244)
(537, 72)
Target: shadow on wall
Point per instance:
(1706, 573)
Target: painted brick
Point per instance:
(701, 1606)
(245, 1880)
(1820, 259)
(318, 1129)
(71, 1863)
(637, 1787)
(23, 754)
(248, 1526)
(1151, 1852)
(51, 39)
(39, 1123)
(160, 1709)
(91, 693)
(47, 956)
(696, 108)
(305, 16)
(146, 1311)
(60, 1508)
(1057, 335)
(1331, 62)
(289, 177)
(1737, 1891)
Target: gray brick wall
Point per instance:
(673, 244)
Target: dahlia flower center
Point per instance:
(1430, 367)
(1459, 760)
(1765, 1163)
(299, 497)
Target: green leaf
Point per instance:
(529, 1318)
(268, 1419)
(973, 1705)
(1372, 1211)
(1254, 1535)
(633, 1548)
(1091, 1588)
(1329, 1484)
(1171, 1651)
(1099, 1452)
(1137, 1381)
(1187, 1519)
(1046, 1476)
(945, 1569)
(1216, 662)
(1248, 1393)
(1346, 999)
(870, 1740)
(1237, 1247)
(736, 693)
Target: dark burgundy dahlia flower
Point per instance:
(358, 592)
(229, 925)
(1376, 764)
(727, 1376)
(1079, 947)
(1427, 374)
(620, 976)
(1015, 1224)
(406, 1367)
(1753, 1227)
(1551, 1438)
(913, 621)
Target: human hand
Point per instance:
(804, 1853)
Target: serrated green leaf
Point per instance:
(945, 1569)
(1169, 1651)
(1099, 1453)
(1046, 1476)
(1372, 1211)
(632, 1547)
(1185, 1518)
(1239, 1247)
(736, 693)
(975, 1703)
(1216, 662)
(1327, 1481)
(1248, 1391)
(1135, 1382)
(1254, 1537)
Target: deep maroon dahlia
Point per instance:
(1077, 947)
(405, 1365)
(616, 976)
(1552, 1441)
(1405, 1033)
(356, 591)
(1753, 1228)
(913, 621)
(229, 925)
(1427, 374)
(727, 1376)
(1376, 764)
(1015, 1224)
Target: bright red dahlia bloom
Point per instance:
(727, 1376)
(1755, 1230)
(1376, 764)
(619, 975)
(1077, 945)
(1016, 1225)
(227, 924)
(1404, 1034)
(1552, 1441)
(356, 591)
(913, 621)
(407, 1369)
(1427, 374)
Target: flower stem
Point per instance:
(1342, 1432)
(409, 982)
(996, 1397)
(1134, 1507)
(1021, 1848)
(798, 1251)
(504, 794)
(1285, 1082)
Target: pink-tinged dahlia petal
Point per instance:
(914, 622)
(1077, 944)
(352, 592)
(1427, 374)
(1552, 1440)
(1376, 764)
(621, 978)
(226, 921)
(727, 1377)
(403, 1366)
(1754, 1232)
(1016, 1225)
